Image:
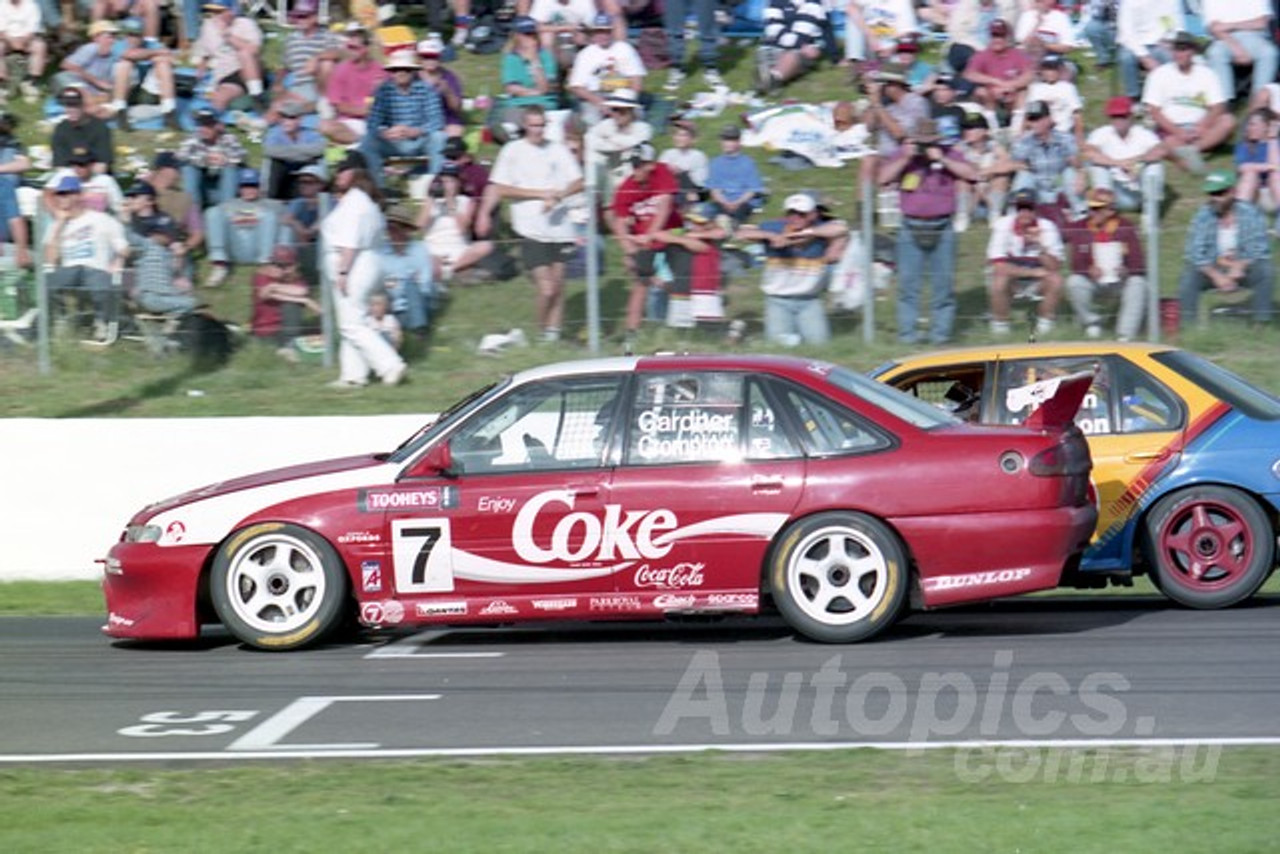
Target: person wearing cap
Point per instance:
(173, 199)
(91, 68)
(99, 191)
(1105, 259)
(984, 198)
(799, 249)
(1241, 35)
(407, 273)
(301, 215)
(793, 40)
(473, 176)
(81, 131)
(943, 107)
(1047, 161)
(644, 205)
(602, 66)
(1125, 157)
(1043, 29)
(288, 146)
(282, 301)
(241, 230)
(928, 177)
(211, 158)
(538, 176)
(735, 187)
(406, 118)
(907, 56)
(143, 74)
(308, 57)
(1228, 247)
(350, 235)
(160, 283)
(620, 132)
(86, 250)
(692, 252)
(1025, 251)
(969, 31)
(140, 207)
(349, 90)
(688, 163)
(894, 108)
(21, 33)
(873, 28)
(228, 53)
(1186, 101)
(530, 73)
(1000, 73)
(1143, 28)
(1053, 87)
(446, 83)
(445, 219)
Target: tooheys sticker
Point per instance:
(420, 498)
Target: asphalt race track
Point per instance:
(1052, 671)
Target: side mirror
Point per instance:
(437, 461)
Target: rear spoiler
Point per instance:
(1054, 401)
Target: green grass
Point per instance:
(858, 800)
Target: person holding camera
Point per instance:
(928, 176)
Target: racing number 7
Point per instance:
(422, 551)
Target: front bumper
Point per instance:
(153, 593)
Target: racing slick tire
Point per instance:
(1209, 546)
(839, 577)
(278, 587)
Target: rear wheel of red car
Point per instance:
(1209, 546)
(839, 577)
(278, 586)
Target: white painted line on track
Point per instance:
(316, 752)
(411, 647)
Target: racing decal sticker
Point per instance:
(674, 602)
(390, 612)
(422, 555)
(175, 532)
(974, 579)
(440, 609)
(495, 504)
(615, 603)
(732, 601)
(420, 498)
(371, 576)
(554, 604)
(499, 608)
(359, 538)
(678, 577)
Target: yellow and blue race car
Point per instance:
(1186, 455)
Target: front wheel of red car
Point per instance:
(1209, 546)
(278, 587)
(839, 577)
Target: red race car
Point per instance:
(625, 489)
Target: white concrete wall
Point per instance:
(67, 487)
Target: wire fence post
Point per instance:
(593, 237)
(1152, 189)
(326, 288)
(868, 262)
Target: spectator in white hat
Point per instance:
(604, 65)
(406, 119)
(621, 131)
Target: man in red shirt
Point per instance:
(1001, 73)
(1106, 260)
(350, 88)
(643, 205)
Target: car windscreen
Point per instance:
(1223, 384)
(410, 446)
(897, 403)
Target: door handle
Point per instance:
(585, 490)
(767, 483)
(1144, 456)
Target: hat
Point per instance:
(166, 160)
(313, 170)
(908, 43)
(1182, 38)
(68, 184)
(642, 153)
(1037, 110)
(1051, 60)
(402, 215)
(622, 98)
(354, 28)
(731, 132)
(602, 21)
(1024, 198)
(79, 157)
(207, 118)
(71, 97)
(925, 130)
(303, 8)
(1219, 181)
(975, 120)
(999, 27)
(284, 255)
(353, 160)
(1119, 105)
(524, 24)
(944, 80)
(800, 203)
(402, 59)
(1099, 197)
(292, 109)
(140, 188)
(454, 147)
(219, 5)
(97, 28)
(432, 45)
(250, 177)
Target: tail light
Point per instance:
(1068, 458)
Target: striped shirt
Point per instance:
(418, 107)
(300, 48)
(793, 24)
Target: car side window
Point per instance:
(685, 417)
(1145, 404)
(540, 426)
(767, 437)
(828, 428)
(1026, 383)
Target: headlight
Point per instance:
(142, 533)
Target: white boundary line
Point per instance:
(314, 752)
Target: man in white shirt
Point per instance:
(87, 249)
(874, 26)
(1026, 251)
(1043, 29)
(1124, 157)
(603, 66)
(1241, 33)
(1185, 100)
(538, 176)
(20, 28)
(1143, 31)
(1060, 94)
